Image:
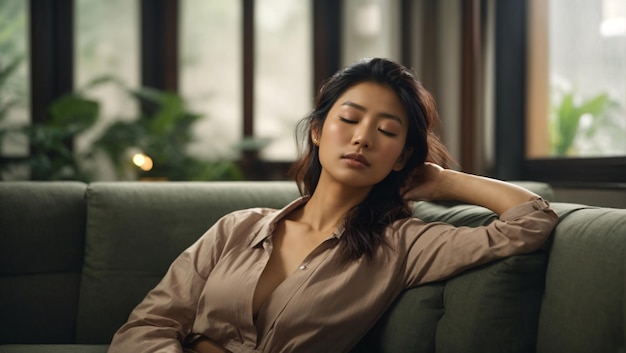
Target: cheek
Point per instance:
(333, 131)
(396, 150)
(395, 147)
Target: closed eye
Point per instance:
(347, 120)
(387, 133)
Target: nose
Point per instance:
(362, 137)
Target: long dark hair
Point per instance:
(365, 223)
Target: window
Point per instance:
(576, 92)
(283, 76)
(249, 67)
(210, 73)
(106, 45)
(14, 76)
(371, 30)
(586, 80)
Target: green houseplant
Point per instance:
(566, 120)
(51, 154)
(162, 133)
(49, 143)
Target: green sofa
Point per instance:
(76, 258)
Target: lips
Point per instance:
(357, 157)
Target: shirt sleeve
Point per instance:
(166, 315)
(435, 251)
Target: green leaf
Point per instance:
(74, 113)
(595, 106)
(568, 115)
(149, 94)
(119, 137)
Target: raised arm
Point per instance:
(432, 182)
(438, 250)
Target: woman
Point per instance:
(316, 275)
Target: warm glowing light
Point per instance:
(143, 161)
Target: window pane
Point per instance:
(587, 73)
(283, 77)
(371, 29)
(14, 63)
(210, 73)
(106, 44)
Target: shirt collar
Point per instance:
(267, 226)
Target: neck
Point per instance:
(329, 205)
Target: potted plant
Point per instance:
(156, 141)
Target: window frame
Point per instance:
(512, 42)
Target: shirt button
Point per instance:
(303, 267)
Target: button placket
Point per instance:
(292, 287)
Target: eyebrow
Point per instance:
(363, 109)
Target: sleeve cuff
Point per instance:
(538, 204)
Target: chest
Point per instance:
(291, 245)
(256, 281)
(319, 290)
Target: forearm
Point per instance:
(493, 194)
(204, 345)
(145, 338)
(164, 318)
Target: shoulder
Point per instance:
(261, 215)
(251, 223)
(250, 213)
(256, 214)
(235, 230)
(246, 218)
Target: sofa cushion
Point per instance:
(584, 305)
(41, 254)
(133, 235)
(491, 308)
(494, 308)
(410, 324)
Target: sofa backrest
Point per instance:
(584, 306)
(128, 234)
(135, 231)
(42, 228)
(489, 309)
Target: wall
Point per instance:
(596, 197)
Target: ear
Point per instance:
(315, 134)
(314, 138)
(404, 157)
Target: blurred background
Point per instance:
(212, 90)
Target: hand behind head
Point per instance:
(424, 183)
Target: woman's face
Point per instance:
(363, 137)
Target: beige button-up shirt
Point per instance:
(326, 305)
